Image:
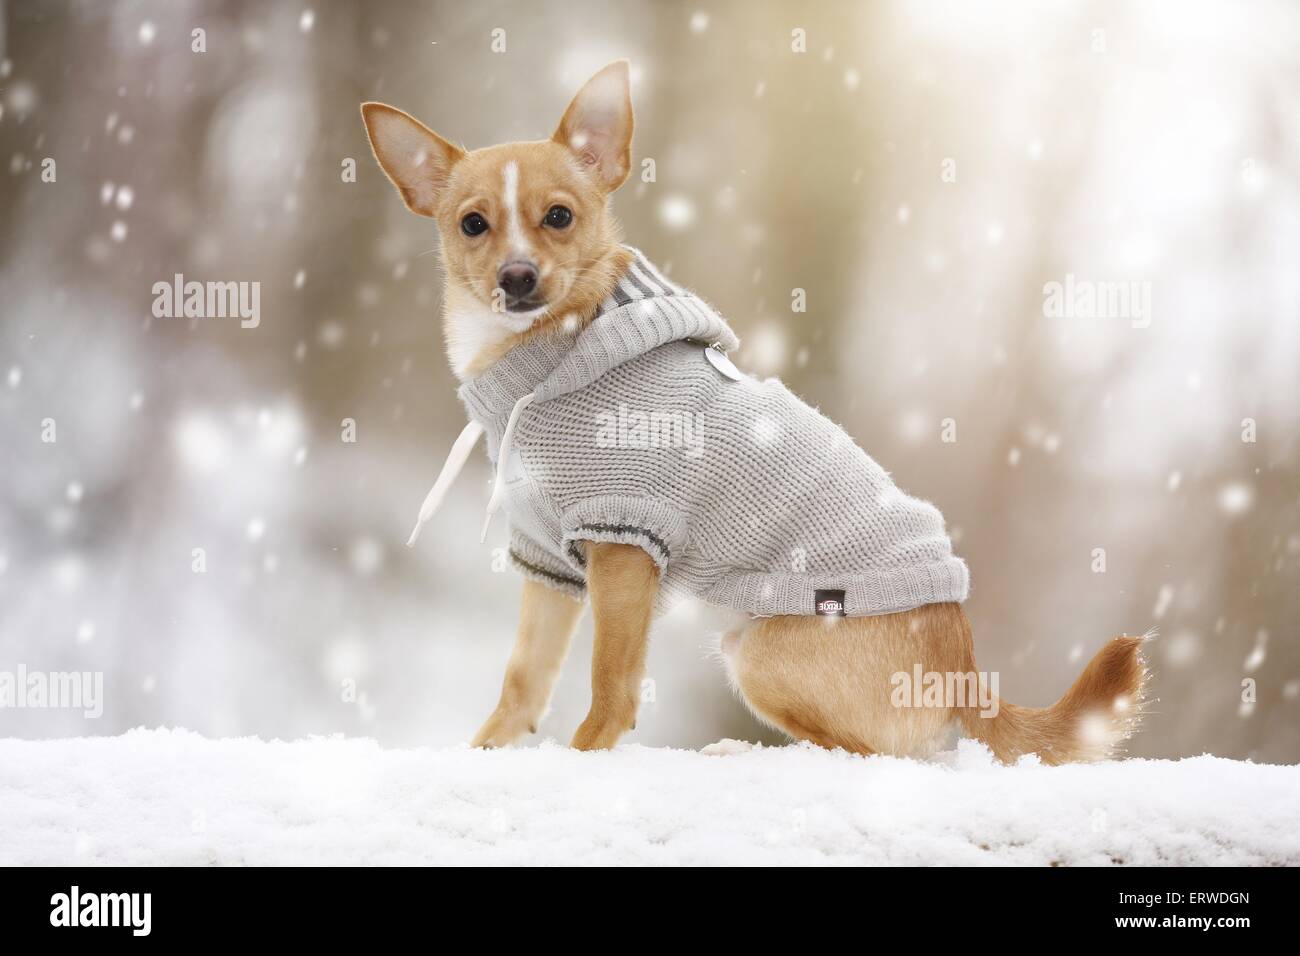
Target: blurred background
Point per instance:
(202, 533)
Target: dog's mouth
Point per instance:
(529, 304)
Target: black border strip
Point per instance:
(224, 904)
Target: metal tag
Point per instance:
(718, 359)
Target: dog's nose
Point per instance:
(518, 279)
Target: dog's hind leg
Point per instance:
(830, 680)
(547, 621)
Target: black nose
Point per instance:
(518, 279)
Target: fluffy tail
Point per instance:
(1091, 722)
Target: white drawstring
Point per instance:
(503, 456)
(456, 459)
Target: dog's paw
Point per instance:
(600, 732)
(727, 746)
(502, 729)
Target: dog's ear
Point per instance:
(414, 157)
(597, 126)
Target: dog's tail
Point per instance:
(1091, 722)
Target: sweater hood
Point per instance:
(644, 311)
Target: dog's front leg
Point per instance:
(547, 620)
(622, 581)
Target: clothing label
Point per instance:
(829, 603)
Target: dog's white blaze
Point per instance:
(518, 247)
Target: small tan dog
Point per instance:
(529, 245)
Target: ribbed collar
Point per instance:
(646, 311)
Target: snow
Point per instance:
(174, 797)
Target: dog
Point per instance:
(561, 336)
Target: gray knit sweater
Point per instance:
(639, 430)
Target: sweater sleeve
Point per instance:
(653, 525)
(538, 564)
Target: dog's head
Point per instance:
(523, 225)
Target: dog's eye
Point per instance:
(473, 225)
(557, 217)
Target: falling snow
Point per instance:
(201, 524)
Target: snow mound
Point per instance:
(173, 797)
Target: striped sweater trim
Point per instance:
(536, 569)
(554, 364)
(641, 281)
